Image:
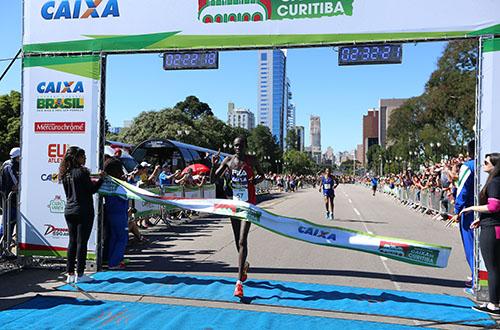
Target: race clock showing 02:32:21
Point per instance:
(371, 54)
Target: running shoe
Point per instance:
(238, 290)
(327, 215)
(83, 279)
(469, 291)
(120, 266)
(245, 271)
(70, 278)
(331, 216)
(484, 308)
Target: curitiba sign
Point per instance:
(66, 26)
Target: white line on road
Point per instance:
(359, 214)
(350, 200)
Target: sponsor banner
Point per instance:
(60, 127)
(489, 140)
(62, 26)
(413, 252)
(67, 91)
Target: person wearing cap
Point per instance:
(166, 176)
(9, 178)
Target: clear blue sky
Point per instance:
(340, 95)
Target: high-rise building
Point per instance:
(329, 156)
(315, 131)
(300, 132)
(370, 131)
(386, 107)
(240, 117)
(289, 106)
(359, 153)
(273, 93)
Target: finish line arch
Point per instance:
(66, 42)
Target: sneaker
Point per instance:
(120, 266)
(470, 291)
(83, 279)
(70, 278)
(484, 308)
(331, 216)
(245, 271)
(327, 215)
(238, 290)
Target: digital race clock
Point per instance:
(371, 54)
(191, 60)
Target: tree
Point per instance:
(292, 140)
(262, 142)
(194, 108)
(298, 162)
(10, 124)
(374, 156)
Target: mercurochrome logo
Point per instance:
(224, 11)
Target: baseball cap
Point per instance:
(145, 164)
(165, 165)
(15, 152)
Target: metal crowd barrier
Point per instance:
(6, 237)
(3, 206)
(425, 199)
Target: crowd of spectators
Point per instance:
(439, 179)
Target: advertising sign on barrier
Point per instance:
(60, 94)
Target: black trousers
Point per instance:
(490, 249)
(80, 227)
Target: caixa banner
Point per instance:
(60, 109)
(62, 26)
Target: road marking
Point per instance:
(383, 259)
(350, 200)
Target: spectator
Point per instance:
(489, 239)
(79, 209)
(465, 198)
(9, 180)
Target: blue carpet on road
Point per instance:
(69, 313)
(410, 305)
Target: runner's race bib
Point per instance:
(327, 186)
(240, 194)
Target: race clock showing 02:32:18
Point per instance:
(191, 60)
(371, 54)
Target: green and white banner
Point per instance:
(60, 108)
(62, 26)
(413, 252)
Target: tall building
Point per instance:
(386, 107)
(359, 153)
(289, 106)
(240, 117)
(370, 131)
(315, 131)
(329, 156)
(273, 93)
(300, 132)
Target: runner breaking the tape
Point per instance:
(328, 185)
(241, 169)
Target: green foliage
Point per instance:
(445, 112)
(10, 110)
(374, 155)
(298, 163)
(262, 142)
(192, 107)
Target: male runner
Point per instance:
(241, 169)
(374, 185)
(328, 185)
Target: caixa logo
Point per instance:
(60, 87)
(50, 178)
(79, 9)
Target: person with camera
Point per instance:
(79, 210)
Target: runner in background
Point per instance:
(374, 184)
(241, 169)
(328, 185)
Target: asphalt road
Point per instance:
(206, 247)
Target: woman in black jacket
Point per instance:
(79, 210)
(489, 239)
